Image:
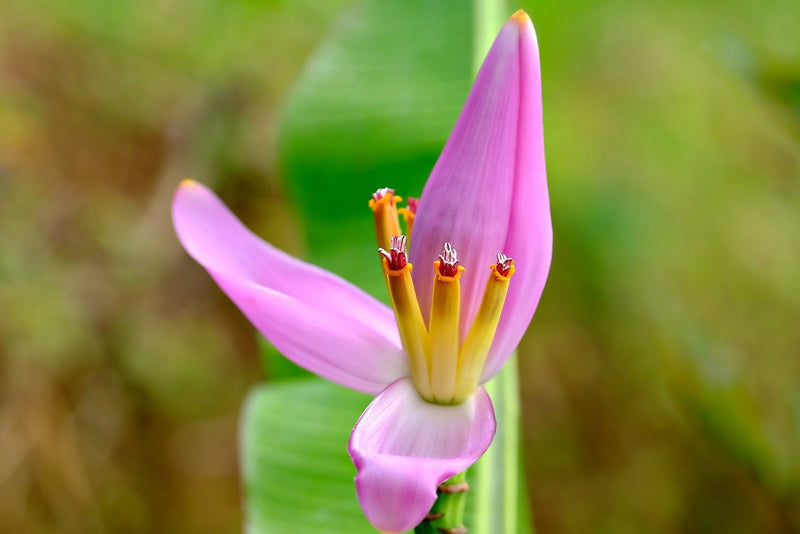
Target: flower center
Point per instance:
(444, 370)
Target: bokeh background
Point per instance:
(661, 377)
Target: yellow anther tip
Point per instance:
(186, 183)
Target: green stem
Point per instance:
(498, 498)
(447, 514)
(488, 17)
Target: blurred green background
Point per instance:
(661, 377)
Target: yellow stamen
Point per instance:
(408, 217)
(481, 334)
(444, 334)
(387, 223)
(413, 333)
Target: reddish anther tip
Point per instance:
(412, 204)
(448, 261)
(504, 264)
(396, 256)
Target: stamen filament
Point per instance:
(384, 207)
(445, 308)
(479, 339)
(413, 333)
(408, 213)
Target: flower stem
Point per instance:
(447, 514)
(496, 497)
(487, 16)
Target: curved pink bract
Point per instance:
(404, 447)
(315, 318)
(488, 190)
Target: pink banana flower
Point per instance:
(449, 330)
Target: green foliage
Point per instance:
(372, 109)
(297, 474)
(299, 478)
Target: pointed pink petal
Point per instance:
(404, 447)
(314, 318)
(467, 198)
(488, 190)
(530, 230)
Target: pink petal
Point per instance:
(315, 318)
(404, 447)
(488, 190)
(530, 230)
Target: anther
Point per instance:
(448, 262)
(396, 256)
(382, 192)
(504, 264)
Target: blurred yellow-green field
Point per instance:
(661, 375)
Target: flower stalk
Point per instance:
(447, 514)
